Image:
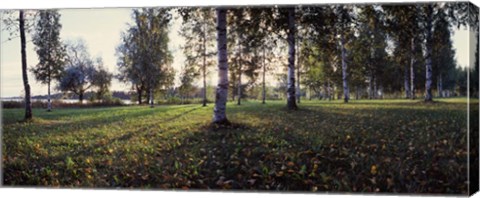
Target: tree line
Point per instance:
(332, 51)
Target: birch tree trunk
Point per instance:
(291, 102)
(148, 95)
(440, 86)
(204, 68)
(346, 94)
(412, 71)
(263, 80)
(298, 94)
(406, 82)
(428, 57)
(151, 97)
(357, 94)
(219, 111)
(49, 103)
(329, 94)
(370, 86)
(23, 43)
(375, 90)
(139, 97)
(239, 82)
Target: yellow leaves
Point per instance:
(290, 164)
(103, 141)
(88, 161)
(390, 182)
(108, 162)
(387, 160)
(373, 169)
(348, 137)
(279, 174)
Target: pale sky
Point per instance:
(101, 28)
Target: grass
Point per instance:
(400, 146)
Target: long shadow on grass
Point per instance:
(29, 175)
(123, 138)
(251, 158)
(90, 121)
(314, 149)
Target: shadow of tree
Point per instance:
(315, 148)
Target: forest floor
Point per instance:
(398, 146)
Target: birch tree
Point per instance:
(49, 48)
(219, 111)
(82, 72)
(291, 102)
(19, 25)
(407, 31)
(144, 59)
(188, 75)
(344, 19)
(428, 12)
(23, 43)
(321, 72)
(198, 29)
(443, 54)
(267, 47)
(244, 41)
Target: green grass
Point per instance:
(365, 146)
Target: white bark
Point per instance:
(204, 68)
(346, 93)
(412, 71)
(370, 86)
(298, 94)
(428, 58)
(291, 103)
(239, 82)
(440, 86)
(263, 81)
(406, 82)
(49, 102)
(219, 111)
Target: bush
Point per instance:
(12, 104)
(179, 101)
(61, 104)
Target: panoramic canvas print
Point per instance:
(344, 98)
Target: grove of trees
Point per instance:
(368, 51)
(144, 59)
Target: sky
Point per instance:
(101, 28)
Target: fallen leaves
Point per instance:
(323, 147)
(373, 169)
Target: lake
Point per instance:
(63, 100)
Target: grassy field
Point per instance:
(364, 146)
